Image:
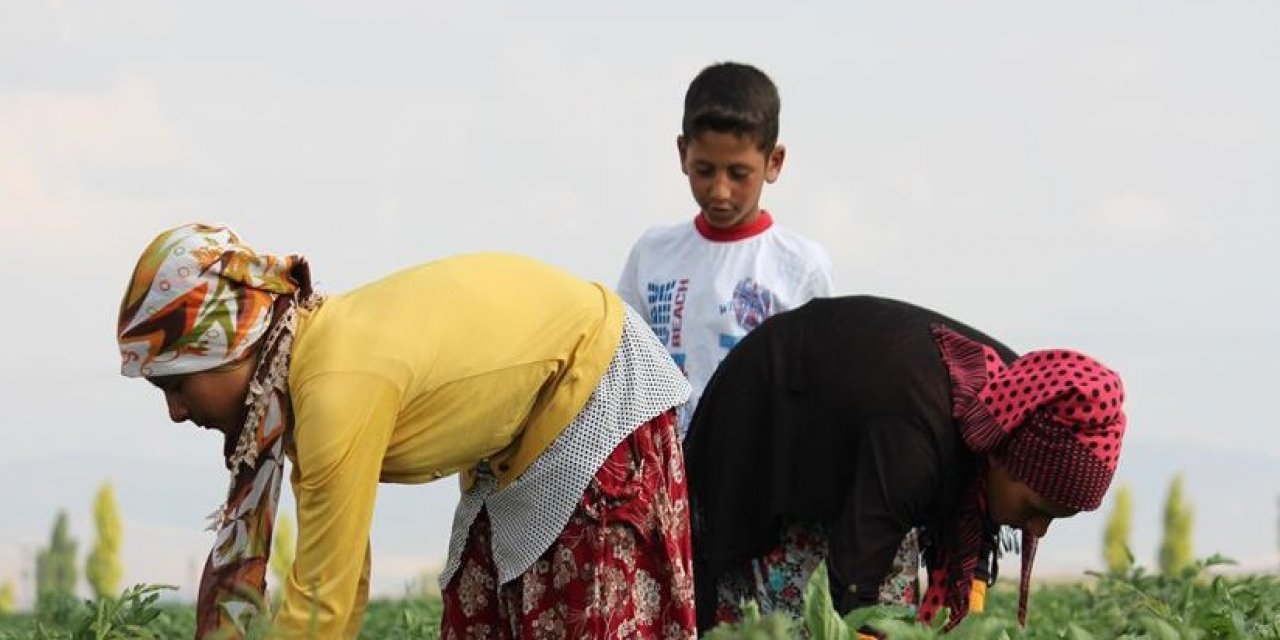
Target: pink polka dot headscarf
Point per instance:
(1053, 417)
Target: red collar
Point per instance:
(759, 226)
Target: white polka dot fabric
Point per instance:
(527, 515)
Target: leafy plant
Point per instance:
(753, 626)
(1131, 605)
(133, 615)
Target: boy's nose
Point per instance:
(720, 188)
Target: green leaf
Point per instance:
(819, 612)
(1159, 629)
(1074, 632)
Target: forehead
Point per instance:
(724, 148)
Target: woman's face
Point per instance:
(211, 399)
(1011, 502)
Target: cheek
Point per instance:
(1002, 507)
(231, 400)
(998, 510)
(750, 189)
(230, 405)
(211, 400)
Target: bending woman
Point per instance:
(549, 396)
(832, 430)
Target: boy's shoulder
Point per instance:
(789, 244)
(788, 236)
(661, 237)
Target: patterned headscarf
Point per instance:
(198, 299)
(1053, 418)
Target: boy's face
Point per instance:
(726, 174)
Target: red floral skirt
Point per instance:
(622, 567)
(776, 580)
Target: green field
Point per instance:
(140, 617)
(1193, 605)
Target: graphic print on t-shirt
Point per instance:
(666, 315)
(751, 304)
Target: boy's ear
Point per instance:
(682, 147)
(773, 164)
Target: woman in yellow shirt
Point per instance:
(546, 393)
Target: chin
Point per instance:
(726, 220)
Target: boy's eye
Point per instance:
(739, 173)
(704, 171)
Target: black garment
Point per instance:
(838, 412)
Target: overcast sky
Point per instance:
(1097, 175)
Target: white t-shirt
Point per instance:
(702, 289)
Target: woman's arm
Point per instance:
(895, 480)
(342, 427)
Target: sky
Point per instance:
(1093, 175)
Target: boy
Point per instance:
(704, 284)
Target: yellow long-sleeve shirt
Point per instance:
(421, 375)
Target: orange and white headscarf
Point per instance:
(200, 298)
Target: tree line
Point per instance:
(1176, 548)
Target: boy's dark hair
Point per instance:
(730, 97)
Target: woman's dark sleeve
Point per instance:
(895, 479)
